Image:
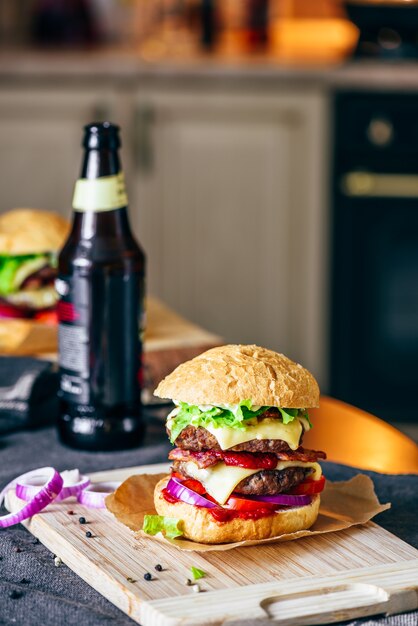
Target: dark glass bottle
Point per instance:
(63, 23)
(257, 32)
(101, 308)
(208, 34)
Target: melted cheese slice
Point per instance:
(221, 480)
(265, 429)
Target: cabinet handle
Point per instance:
(369, 185)
(143, 155)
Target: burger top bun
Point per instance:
(31, 231)
(233, 373)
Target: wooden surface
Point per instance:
(360, 571)
(167, 330)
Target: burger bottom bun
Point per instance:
(200, 526)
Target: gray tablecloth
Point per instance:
(51, 596)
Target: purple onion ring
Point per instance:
(44, 496)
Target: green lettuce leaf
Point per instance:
(197, 573)
(288, 415)
(9, 266)
(169, 526)
(53, 260)
(238, 417)
(306, 416)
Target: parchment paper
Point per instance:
(343, 504)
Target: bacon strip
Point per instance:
(301, 454)
(202, 459)
(249, 460)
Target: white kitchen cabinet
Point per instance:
(228, 201)
(227, 195)
(40, 141)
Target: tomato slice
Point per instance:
(191, 483)
(194, 485)
(237, 503)
(309, 487)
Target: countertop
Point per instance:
(128, 67)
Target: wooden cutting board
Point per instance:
(364, 570)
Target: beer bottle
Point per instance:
(101, 308)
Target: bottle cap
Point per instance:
(101, 135)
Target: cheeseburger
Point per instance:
(239, 471)
(29, 242)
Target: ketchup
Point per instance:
(226, 515)
(250, 460)
(167, 496)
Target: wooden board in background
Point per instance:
(359, 571)
(165, 330)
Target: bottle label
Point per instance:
(73, 339)
(100, 194)
(99, 338)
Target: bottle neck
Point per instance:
(98, 164)
(89, 224)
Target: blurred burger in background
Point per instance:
(30, 240)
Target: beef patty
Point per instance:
(198, 439)
(44, 276)
(265, 482)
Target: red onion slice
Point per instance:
(183, 493)
(46, 494)
(176, 488)
(29, 485)
(94, 495)
(283, 498)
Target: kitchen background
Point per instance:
(271, 153)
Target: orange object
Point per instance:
(312, 40)
(351, 436)
(47, 317)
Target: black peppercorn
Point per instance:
(24, 581)
(147, 576)
(18, 549)
(82, 520)
(159, 568)
(14, 594)
(36, 541)
(89, 534)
